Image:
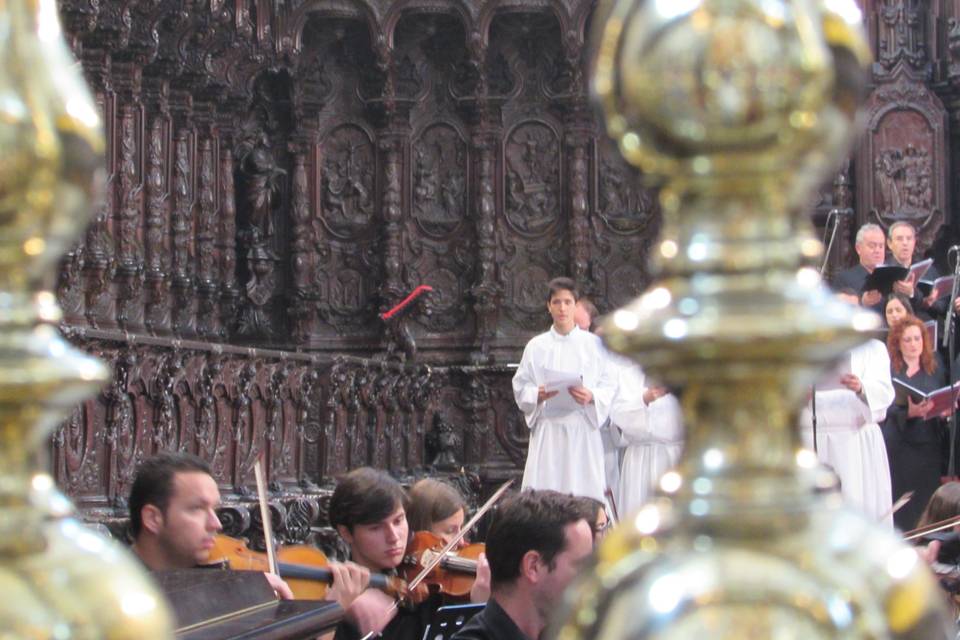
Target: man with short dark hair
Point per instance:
(536, 545)
(173, 521)
(563, 389)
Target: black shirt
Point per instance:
(492, 623)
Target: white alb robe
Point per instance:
(565, 451)
(652, 434)
(848, 434)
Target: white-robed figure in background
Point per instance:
(849, 439)
(565, 452)
(651, 426)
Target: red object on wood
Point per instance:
(423, 288)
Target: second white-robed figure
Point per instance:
(649, 421)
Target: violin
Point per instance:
(453, 575)
(303, 567)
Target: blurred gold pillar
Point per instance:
(742, 108)
(58, 578)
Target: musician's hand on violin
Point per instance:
(480, 592)
(581, 394)
(349, 581)
(281, 588)
(930, 552)
(371, 611)
(543, 394)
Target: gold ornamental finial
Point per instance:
(742, 108)
(58, 578)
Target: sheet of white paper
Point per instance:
(560, 380)
(831, 381)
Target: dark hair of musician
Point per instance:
(557, 285)
(529, 521)
(943, 504)
(893, 345)
(365, 496)
(153, 483)
(430, 501)
(590, 509)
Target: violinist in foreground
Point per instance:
(174, 523)
(438, 509)
(367, 510)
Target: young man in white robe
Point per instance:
(564, 393)
(650, 425)
(848, 436)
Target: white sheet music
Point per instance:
(832, 380)
(560, 381)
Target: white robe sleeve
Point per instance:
(526, 387)
(871, 363)
(603, 391)
(628, 410)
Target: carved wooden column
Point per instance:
(391, 148)
(98, 250)
(578, 140)
(157, 232)
(227, 243)
(181, 229)
(129, 272)
(208, 274)
(300, 310)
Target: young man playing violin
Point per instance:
(173, 521)
(367, 510)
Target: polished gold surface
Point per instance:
(58, 579)
(741, 108)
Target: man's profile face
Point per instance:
(870, 249)
(379, 546)
(902, 242)
(568, 564)
(581, 317)
(561, 307)
(190, 522)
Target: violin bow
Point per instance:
(931, 528)
(613, 506)
(265, 515)
(899, 504)
(430, 566)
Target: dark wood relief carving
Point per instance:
(282, 173)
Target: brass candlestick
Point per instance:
(58, 579)
(742, 107)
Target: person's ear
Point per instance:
(531, 565)
(345, 534)
(151, 518)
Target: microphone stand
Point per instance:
(813, 417)
(835, 215)
(950, 343)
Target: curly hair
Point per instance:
(893, 345)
